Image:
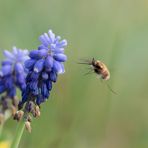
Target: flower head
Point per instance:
(43, 67)
(50, 53)
(12, 75)
(12, 72)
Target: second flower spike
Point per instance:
(12, 76)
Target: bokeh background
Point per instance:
(81, 111)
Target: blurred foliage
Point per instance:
(4, 144)
(81, 111)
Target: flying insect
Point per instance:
(99, 68)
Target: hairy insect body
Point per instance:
(100, 69)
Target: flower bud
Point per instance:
(28, 126)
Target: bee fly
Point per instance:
(99, 68)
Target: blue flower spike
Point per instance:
(12, 76)
(44, 66)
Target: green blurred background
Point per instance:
(81, 111)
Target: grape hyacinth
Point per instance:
(12, 76)
(43, 67)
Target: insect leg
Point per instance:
(90, 72)
(111, 89)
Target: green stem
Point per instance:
(18, 135)
(1, 129)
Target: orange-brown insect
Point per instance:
(99, 68)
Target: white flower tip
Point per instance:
(26, 52)
(14, 47)
(61, 71)
(51, 33)
(5, 51)
(45, 34)
(65, 42)
(15, 50)
(58, 37)
(36, 70)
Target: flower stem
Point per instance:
(18, 134)
(1, 129)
